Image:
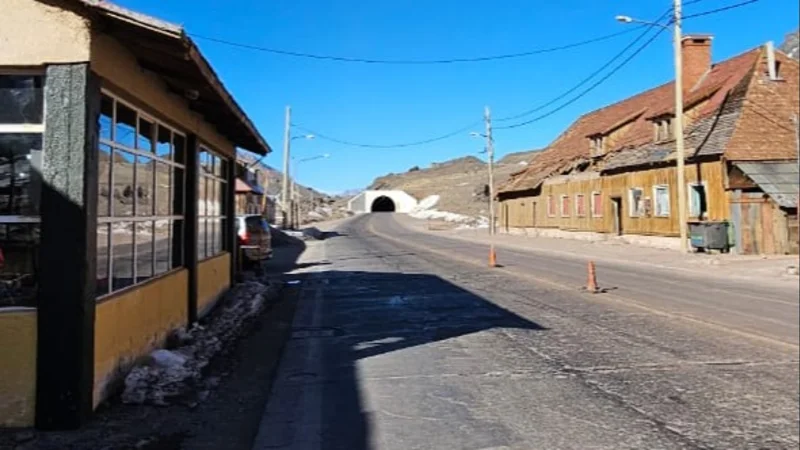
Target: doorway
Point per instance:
(616, 204)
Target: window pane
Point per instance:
(176, 247)
(123, 184)
(223, 242)
(21, 99)
(144, 141)
(163, 243)
(217, 166)
(163, 191)
(179, 148)
(103, 180)
(106, 117)
(220, 199)
(164, 143)
(103, 236)
(201, 238)
(122, 255)
(205, 163)
(144, 186)
(19, 244)
(177, 200)
(201, 197)
(144, 251)
(211, 197)
(125, 131)
(20, 186)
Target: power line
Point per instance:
(724, 8)
(411, 61)
(587, 90)
(401, 145)
(588, 78)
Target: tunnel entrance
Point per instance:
(383, 204)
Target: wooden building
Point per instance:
(117, 149)
(613, 171)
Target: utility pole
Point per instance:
(679, 150)
(285, 188)
(487, 116)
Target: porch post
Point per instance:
(190, 242)
(66, 287)
(229, 240)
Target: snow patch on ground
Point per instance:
(176, 375)
(425, 211)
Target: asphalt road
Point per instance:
(404, 340)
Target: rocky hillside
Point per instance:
(791, 44)
(462, 184)
(314, 205)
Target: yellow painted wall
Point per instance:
(519, 211)
(123, 76)
(132, 323)
(33, 33)
(17, 367)
(213, 278)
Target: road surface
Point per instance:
(405, 340)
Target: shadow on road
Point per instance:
(363, 315)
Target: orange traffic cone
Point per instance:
(591, 284)
(492, 257)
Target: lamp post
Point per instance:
(295, 192)
(286, 207)
(679, 149)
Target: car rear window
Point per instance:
(256, 224)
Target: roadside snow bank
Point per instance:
(176, 375)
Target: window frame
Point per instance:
(220, 216)
(689, 191)
(135, 218)
(551, 206)
(580, 199)
(594, 211)
(633, 208)
(561, 206)
(656, 188)
(27, 128)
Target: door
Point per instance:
(616, 205)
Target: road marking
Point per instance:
(607, 296)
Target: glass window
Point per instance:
(580, 205)
(597, 204)
(144, 186)
(125, 126)
(21, 99)
(635, 202)
(21, 122)
(697, 200)
(141, 170)
(211, 189)
(564, 206)
(551, 206)
(661, 196)
(164, 143)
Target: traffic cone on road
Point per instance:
(492, 257)
(591, 284)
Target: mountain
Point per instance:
(462, 183)
(791, 44)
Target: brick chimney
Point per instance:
(696, 50)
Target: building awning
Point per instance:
(166, 50)
(780, 180)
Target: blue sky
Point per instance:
(389, 104)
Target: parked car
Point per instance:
(254, 237)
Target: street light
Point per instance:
(294, 190)
(679, 150)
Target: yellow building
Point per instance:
(117, 161)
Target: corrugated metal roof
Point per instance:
(779, 180)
